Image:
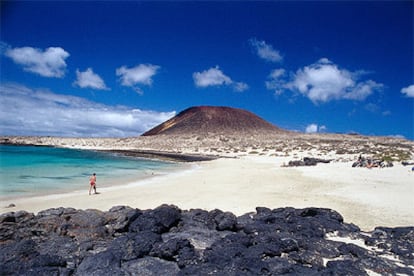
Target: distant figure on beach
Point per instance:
(92, 182)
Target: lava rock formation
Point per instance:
(170, 241)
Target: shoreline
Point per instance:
(163, 155)
(27, 200)
(146, 154)
(367, 198)
(110, 181)
(238, 174)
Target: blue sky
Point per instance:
(119, 68)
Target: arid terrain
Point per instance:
(225, 131)
(221, 144)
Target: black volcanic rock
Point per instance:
(203, 120)
(170, 241)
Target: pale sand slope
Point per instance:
(366, 197)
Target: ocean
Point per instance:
(30, 170)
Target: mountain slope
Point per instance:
(202, 120)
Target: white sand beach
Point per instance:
(365, 197)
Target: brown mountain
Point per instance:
(203, 120)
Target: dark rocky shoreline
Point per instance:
(166, 156)
(170, 241)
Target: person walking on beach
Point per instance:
(92, 182)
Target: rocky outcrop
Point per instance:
(170, 241)
(307, 161)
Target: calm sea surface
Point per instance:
(28, 170)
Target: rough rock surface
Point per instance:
(170, 241)
(307, 161)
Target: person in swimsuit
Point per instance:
(92, 182)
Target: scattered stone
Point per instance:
(170, 241)
(307, 161)
(11, 205)
(371, 163)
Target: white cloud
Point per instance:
(26, 111)
(3, 47)
(314, 128)
(140, 74)
(265, 51)
(276, 73)
(88, 79)
(324, 81)
(275, 81)
(397, 136)
(215, 77)
(373, 108)
(211, 77)
(386, 113)
(47, 63)
(408, 91)
(240, 86)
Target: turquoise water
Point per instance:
(29, 170)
